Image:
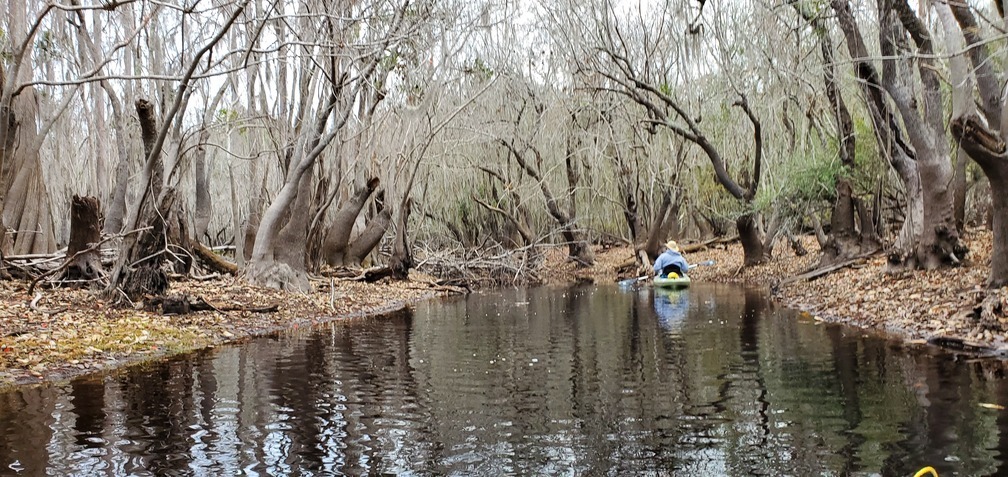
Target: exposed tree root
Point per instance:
(279, 276)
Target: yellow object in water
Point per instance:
(925, 471)
(673, 275)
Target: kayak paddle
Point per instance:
(705, 263)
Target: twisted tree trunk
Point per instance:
(337, 239)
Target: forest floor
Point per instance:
(942, 306)
(70, 332)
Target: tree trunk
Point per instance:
(368, 239)
(923, 116)
(24, 202)
(145, 277)
(292, 256)
(337, 239)
(654, 245)
(138, 269)
(85, 232)
(402, 257)
(988, 150)
(959, 190)
(844, 239)
(632, 213)
(204, 208)
(999, 223)
(752, 243)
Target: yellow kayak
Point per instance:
(669, 282)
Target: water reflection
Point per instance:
(586, 381)
(671, 307)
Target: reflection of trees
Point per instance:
(88, 398)
(158, 407)
(948, 421)
(540, 382)
(25, 419)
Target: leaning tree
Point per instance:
(981, 136)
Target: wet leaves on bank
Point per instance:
(68, 332)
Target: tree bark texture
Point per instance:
(752, 243)
(402, 256)
(23, 197)
(85, 232)
(923, 114)
(988, 149)
(369, 238)
(337, 239)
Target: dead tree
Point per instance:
(85, 232)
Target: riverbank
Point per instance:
(913, 306)
(66, 333)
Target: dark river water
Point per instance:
(584, 381)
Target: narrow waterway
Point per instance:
(714, 380)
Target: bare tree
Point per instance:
(152, 279)
(276, 265)
(982, 137)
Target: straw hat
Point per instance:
(672, 245)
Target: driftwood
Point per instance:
(372, 274)
(695, 247)
(812, 275)
(960, 345)
(213, 261)
(185, 304)
(34, 306)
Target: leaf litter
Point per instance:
(74, 331)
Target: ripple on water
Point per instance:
(591, 381)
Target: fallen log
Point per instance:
(213, 261)
(185, 304)
(817, 273)
(694, 247)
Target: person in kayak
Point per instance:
(671, 263)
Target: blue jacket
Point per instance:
(670, 257)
